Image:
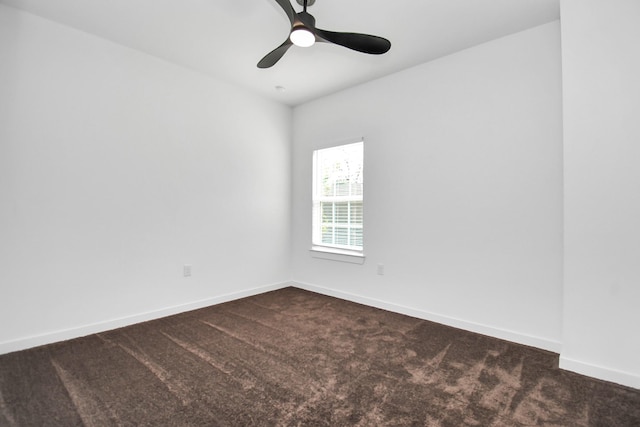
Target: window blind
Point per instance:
(338, 197)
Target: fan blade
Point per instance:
(288, 9)
(274, 56)
(361, 42)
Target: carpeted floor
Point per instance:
(292, 357)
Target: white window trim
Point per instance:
(334, 253)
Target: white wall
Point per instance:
(116, 169)
(469, 147)
(601, 65)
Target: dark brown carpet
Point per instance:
(292, 357)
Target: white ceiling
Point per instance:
(226, 38)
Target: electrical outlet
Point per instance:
(186, 271)
(381, 269)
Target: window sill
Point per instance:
(333, 254)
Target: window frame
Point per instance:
(338, 252)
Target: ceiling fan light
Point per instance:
(302, 37)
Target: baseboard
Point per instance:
(66, 334)
(607, 374)
(504, 334)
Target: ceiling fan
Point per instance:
(304, 34)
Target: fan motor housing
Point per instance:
(309, 2)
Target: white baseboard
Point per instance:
(529, 340)
(66, 334)
(600, 372)
(603, 373)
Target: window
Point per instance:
(337, 197)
